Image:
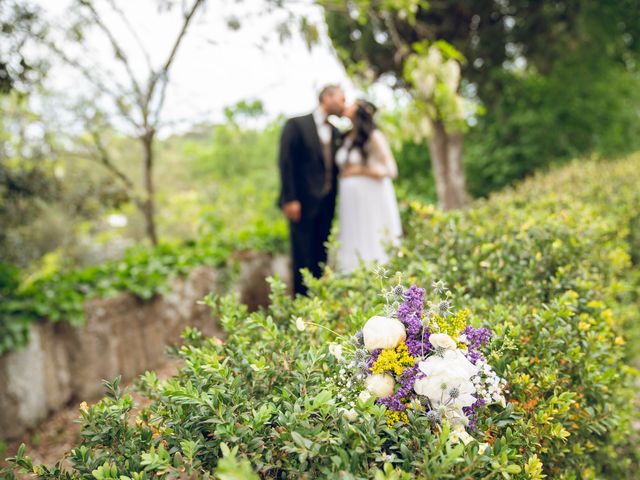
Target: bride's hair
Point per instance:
(363, 125)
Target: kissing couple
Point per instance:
(316, 163)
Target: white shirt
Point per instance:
(324, 129)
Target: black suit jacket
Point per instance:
(302, 164)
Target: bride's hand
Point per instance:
(360, 170)
(350, 171)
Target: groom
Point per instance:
(308, 175)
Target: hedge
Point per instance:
(551, 267)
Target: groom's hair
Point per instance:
(328, 90)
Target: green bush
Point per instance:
(549, 267)
(143, 271)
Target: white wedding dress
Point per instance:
(369, 219)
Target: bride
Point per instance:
(369, 217)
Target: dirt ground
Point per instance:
(50, 440)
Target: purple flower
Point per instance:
(405, 390)
(392, 402)
(372, 359)
(411, 309)
(418, 346)
(474, 355)
(476, 337)
(472, 412)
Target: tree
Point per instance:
(138, 103)
(497, 39)
(19, 21)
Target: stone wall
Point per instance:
(122, 336)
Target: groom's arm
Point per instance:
(287, 172)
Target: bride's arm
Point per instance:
(380, 148)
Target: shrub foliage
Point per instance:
(551, 267)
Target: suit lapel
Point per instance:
(313, 137)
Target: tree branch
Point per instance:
(105, 160)
(163, 73)
(402, 49)
(118, 51)
(94, 80)
(133, 32)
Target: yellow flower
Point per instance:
(394, 417)
(393, 360)
(454, 324)
(619, 341)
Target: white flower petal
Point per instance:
(380, 385)
(442, 340)
(300, 325)
(383, 332)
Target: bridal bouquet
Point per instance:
(424, 357)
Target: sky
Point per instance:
(216, 67)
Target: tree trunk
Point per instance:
(446, 158)
(148, 204)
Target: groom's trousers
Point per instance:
(308, 241)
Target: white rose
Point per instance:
(350, 415)
(442, 340)
(380, 385)
(383, 332)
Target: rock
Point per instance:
(122, 335)
(36, 380)
(252, 287)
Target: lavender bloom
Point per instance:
(372, 359)
(392, 402)
(476, 337)
(410, 312)
(472, 412)
(417, 346)
(406, 381)
(474, 355)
